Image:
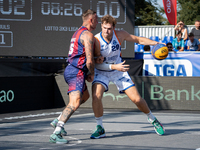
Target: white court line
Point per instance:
(58, 113)
(44, 114)
(47, 114)
(78, 141)
(81, 129)
(31, 116)
(43, 119)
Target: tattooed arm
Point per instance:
(87, 39)
(97, 54)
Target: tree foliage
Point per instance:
(146, 13)
(188, 11)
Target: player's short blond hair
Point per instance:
(108, 19)
(86, 14)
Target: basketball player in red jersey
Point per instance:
(80, 61)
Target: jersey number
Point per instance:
(115, 47)
(71, 49)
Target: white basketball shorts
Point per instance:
(121, 79)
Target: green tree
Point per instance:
(188, 11)
(147, 14)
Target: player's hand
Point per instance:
(99, 60)
(121, 67)
(90, 78)
(161, 43)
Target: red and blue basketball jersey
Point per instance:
(77, 56)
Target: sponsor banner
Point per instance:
(176, 64)
(26, 93)
(161, 93)
(178, 93)
(170, 7)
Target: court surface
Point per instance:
(125, 129)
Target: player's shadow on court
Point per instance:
(125, 134)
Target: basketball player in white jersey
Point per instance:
(113, 69)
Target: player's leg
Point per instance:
(97, 93)
(125, 84)
(75, 78)
(76, 98)
(85, 96)
(135, 97)
(54, 123)
(74, 103)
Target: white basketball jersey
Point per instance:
(110, 51)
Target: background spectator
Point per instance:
(180, 27)
(178, 43)
(147, 48)
(169, 46)
(193, 44)
(196, 30)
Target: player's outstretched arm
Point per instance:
(132, 38)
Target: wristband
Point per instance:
(103, 66)
(110, 66)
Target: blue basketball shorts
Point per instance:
(75, 78)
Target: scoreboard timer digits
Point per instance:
(16, 10)
(76, 9)
(52, 8)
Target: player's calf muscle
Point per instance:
(66, 114)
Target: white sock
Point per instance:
(151, 116)
(59, 126)
(59, 116)
(99, 121)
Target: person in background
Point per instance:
(178, 43)
(193, 43)
(196, 30)
(147, 48)
(169, 46)
(180, 27)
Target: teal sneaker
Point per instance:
(158, 127)
(54, 124)
(98, 133)
(57, 138)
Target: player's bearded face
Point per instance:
(107, 30)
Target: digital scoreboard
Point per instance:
(45, 27)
